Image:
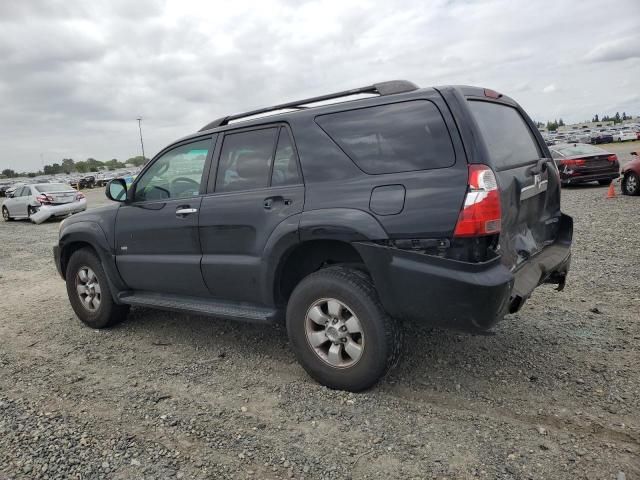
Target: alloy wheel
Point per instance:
(334, 333)
(88, 289)
(631, 184)
(5, 213)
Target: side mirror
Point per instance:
(116, 190)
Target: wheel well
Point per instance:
(309, 257)
(69, 250)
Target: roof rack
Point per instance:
(383, 88)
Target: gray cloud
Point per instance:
(75, 74)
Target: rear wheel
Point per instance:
(339, 331)
(631, 184)
(605, 182)
(5, 214)
(89, 291)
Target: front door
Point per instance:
(157, 242)
(257, 187)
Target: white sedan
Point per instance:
(624, 135)
(40, 201)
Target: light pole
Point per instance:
(144, 159)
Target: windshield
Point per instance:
(579, 149)
(53, 187)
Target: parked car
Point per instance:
(87, 182)
(3, 188)
(601, 136)
(41, 201)
(630, 184)
(341, 218)
(580, 162)
(625, 135)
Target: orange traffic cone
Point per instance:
(612, 191)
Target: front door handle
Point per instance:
(183, 211)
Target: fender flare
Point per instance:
(92, 234)
(341, 224)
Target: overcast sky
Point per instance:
(74, 75)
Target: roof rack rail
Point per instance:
(383, 88)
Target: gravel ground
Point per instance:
(554, 392)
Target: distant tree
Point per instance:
(68, 165)
(561, 123)
(617, 118)
(31, 174)
(7, 172)
(595, 118)
(552, 126)
(137, 161)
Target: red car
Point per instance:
(631, 176)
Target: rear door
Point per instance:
(257, 186)
(528, 180)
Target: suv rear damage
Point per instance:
(438, 205)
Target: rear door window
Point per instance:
(245, 160)
(400, 137)
(507, 136)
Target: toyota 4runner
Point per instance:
(342, 214)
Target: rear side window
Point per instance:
(400, 137)
(505, 133)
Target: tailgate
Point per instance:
(528, 180)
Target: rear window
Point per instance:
(578, 149)
(53, 187)
(400, 137)
(505, 133)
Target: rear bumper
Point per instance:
(48, 211)
(579, 177)
(461, 295)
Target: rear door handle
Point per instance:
(269, 201)
(183, 211)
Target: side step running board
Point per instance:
(201, 306)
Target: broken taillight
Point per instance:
(481, 212)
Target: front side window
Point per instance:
(245, 160)
(176, 174)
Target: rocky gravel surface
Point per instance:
(552, 393)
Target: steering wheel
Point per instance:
(184, 180)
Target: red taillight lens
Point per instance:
(481, 212)
(44, 199)
(612, 158)
(79, 196)
(574, 162)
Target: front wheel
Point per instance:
(631, 184)
(339, 331)
(89, 292)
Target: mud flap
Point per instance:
(40, 216)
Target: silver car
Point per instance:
(40, 201)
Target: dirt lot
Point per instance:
(554, 393)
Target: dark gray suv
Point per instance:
(437, 205)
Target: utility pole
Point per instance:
(144, 159)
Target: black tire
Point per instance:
(5, 214)
(108, 313)
(382, 335)
(605, 182)
(628, 187)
